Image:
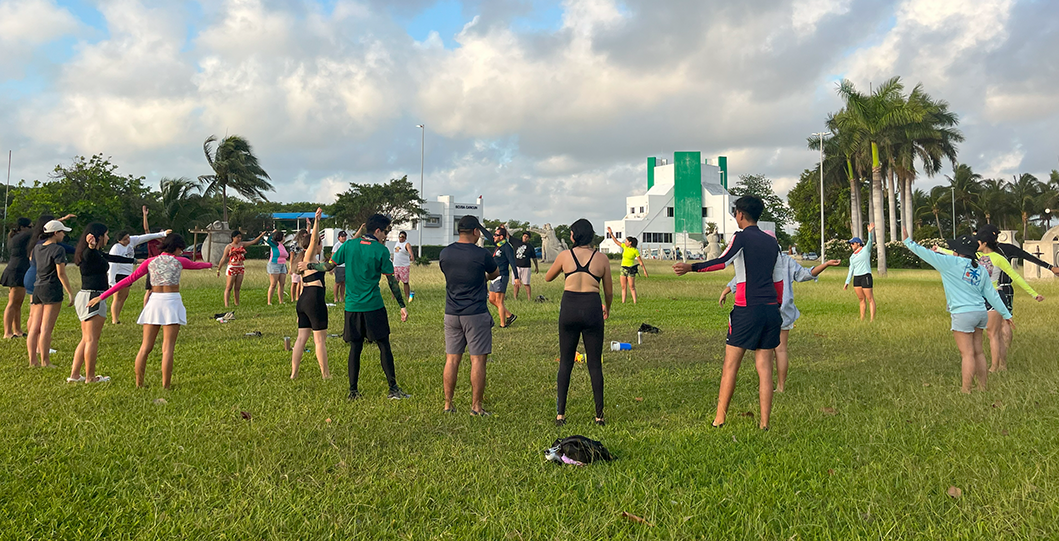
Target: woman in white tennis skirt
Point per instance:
(164, 310)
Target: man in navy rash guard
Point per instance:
(755, 320)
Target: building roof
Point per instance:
(296, 215)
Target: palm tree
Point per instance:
(965, 186)
(183, 204)
(234, 165)
(873, 120)
(1025, 194)
(936, 203)
(839, 147)
(994, 200)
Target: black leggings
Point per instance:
(580, 315)
(385, 354)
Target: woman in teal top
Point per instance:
(276, 266)
(967, 290)
(860, 272)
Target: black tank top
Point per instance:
(578, 267)
(316, 276)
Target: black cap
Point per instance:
(964, 245)
(988, 233)
(468, 223)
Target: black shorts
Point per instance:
(372, 326)
(863, 281)
(755, 327)
(47, 294)
(312, 309)
(1007, 294)
(147, 281)
(120, 277)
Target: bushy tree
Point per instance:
(761, 186)
(398, 199)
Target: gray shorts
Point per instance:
(969, 321)
(473, 333)
(524, 275)
(340, 274)
(499, 284)
(275, 268)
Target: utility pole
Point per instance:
(7, 195)
(821, 135)
(422, 161)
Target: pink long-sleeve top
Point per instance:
(164, 270)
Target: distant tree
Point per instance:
(397, 199)
(775, 209)
(1026, 198)
(234, 166)
(804, 202)
(183, 205)
(92, 189)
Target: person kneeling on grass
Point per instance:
(468, 323)
(165, 309)
(786, 272)
(967, 290)
(366, 260)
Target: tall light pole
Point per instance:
(821, 135)
(422, 158)
(7, 195)
(953, 190)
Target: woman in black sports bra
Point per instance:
(581, 314)
(311, 305)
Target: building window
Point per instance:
(641, 210)
(663, 238)
(432, 220)
(669, 212)
(632, 210)
(705, 212)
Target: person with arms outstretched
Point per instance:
(630, 264)
(860, 272)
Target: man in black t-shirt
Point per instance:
(524, 254)
(468, 323)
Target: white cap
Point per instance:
(55, 226)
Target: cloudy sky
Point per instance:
(547, 108)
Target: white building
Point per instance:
(439, 225)
(683, 198)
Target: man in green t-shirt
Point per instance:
(366, 259)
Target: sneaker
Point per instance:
(511, 319)
(353, 395)
(398, 394)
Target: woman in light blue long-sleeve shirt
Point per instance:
(860, 272)
(967, 289)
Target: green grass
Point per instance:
(105, 461)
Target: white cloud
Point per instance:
(33, 22)
(807, 13)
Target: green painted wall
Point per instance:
(650, 173)
(722, 162)
(687, 193)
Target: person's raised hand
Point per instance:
(871, 227)
(833, 262)
(680, 268)
(168, 232)
(1039, 298)
(404, 315)
(319, 212)
(67, 217)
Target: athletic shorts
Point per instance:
(402, 274)
(1007, 295)
(372, 326)
(524, 275)
(863, 281)
(499, 284)
(312, 309)
(275, 268)
(473, 333)
(340, 274)
(47, 293)
(630, 271)
(295, 278)
(86, 312)
(969, 321)
(120, 277)
(755, 327)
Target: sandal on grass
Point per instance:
(78, 379)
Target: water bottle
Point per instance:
(639, 337)
(620, 346)
(286, 343)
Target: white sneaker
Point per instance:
(78, 379)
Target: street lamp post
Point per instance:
(422, 158)
(7, 195)
(821, 135)
(953, 190)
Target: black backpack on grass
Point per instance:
(579, 449)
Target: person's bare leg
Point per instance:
(529, 294)
(624, 286)
(116, 306)
(271, 287)
(478, 363)
(732, 357)
(1007, 334)
(980, 368)
(860, 297)
(299, 349)
(91, 351)
(996, 340)
(449, 376)
(13, 313)
(281, 281)
(407, 290)
(781, 362)
(79, 351)
(504, 312)
(320, 337)
(632, 288)
(50, 313)
(870, 294)
(965, 343)
(238, 287)
(763, 362)
(33, 334)
(229, 283)
(169, 338)
(518, 288)
(150, 334)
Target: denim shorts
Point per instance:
(276, 268)
(969, 321)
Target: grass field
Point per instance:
(869, 437)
